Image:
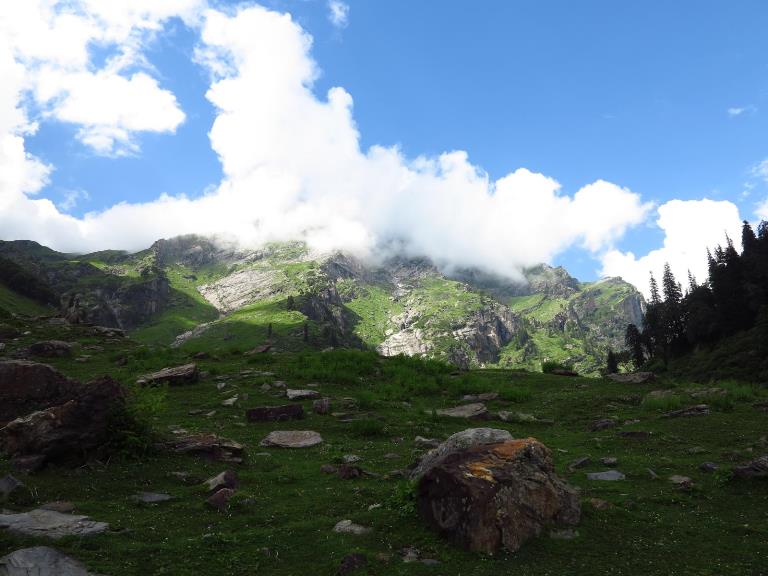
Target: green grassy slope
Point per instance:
(280, 522)
(15, 303)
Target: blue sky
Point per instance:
(668, 100)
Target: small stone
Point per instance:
(602, 424)
(8, 485)
(682, 481)
(708, 466)
(151, 497)
(322, 406)
(609, 461)
(422, 442)
(757, 468)
(696, 450)
(485, 397)
(328, 469)
(292, 439)
(635, 434)
(698, 410)
(275, 413)
(518, 417)
(391, 456)
(608, 475)
(652, 474)
(220, 499)
(476, 411)
(411, 554)
(227, 479)
(301, 394)
(349, 527)
(429, 561)
(265, 387)
(230, 401)
(579, 463)
(351, 458)
(599, 503)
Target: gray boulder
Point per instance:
(51, 524)
(456, 443)
(41, 561)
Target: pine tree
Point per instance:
(673, 314)
(634, 342)
(611, 363)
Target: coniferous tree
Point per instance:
(634, 342)
(653, 328)
(611, 363)
(673, 313)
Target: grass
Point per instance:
(282, 517)
(374, 309)
(15, 303)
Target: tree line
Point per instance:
(733, 298)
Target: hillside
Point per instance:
(198, 294)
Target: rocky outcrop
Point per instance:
(174, 376)
(242, 288)
(496, 496)
(68, 432)
(27, 387)
(41, 561)
(488, 331)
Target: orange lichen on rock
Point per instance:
(504, 451)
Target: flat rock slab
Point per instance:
(41, 561)
(151, 497)
(698, 410)
(608, 475)
(476, 411)
(175, 376)
(51, 524)
(349, 527)
(757, 468)
(301, 394)
(292, 439)
(275, 413)
(208, 446)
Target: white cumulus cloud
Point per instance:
(690, 227)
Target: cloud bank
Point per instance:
(292, 162)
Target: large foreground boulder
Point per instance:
(28, 386)
(68, 432)
(457, 443)
(490, 497)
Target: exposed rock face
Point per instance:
(50, 349)
(757, 468)
(495, 496)
(28, 386)
(410, 342)
(175, 376)
(488, 331)
(242, 288)
(69, 431)
(40, 561)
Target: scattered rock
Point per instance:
(609, 461)
(708, 466)
(349, 527)
(301, 394)
(485, 397)
(599, 503)
(608, 476)
(757, 468)
(220, 499)
(50, 349)
(492, 496)
(230, 401)
(208, 446)
(27, 387)
(350, 563)
(8, 485)
(421, 442)
(579, 463)
(696, 450)
(391, 456)
(227, 479)
(707, 392)
(563, 372)
(658, 394)
(292, 439)
(322, 406)
(259, 350)
(652, 474)
(275, 413)
(349, 472)
(176, 376)
(761, 406)
(41, 561)
(328, 469)
(152, 497)
(698, 410)
(602, 424)
(682, 481)
(458, 443)
(51, 524)
(476, 411)
(350, 458)
(633, 377)
(635, 434)
(521, 418)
